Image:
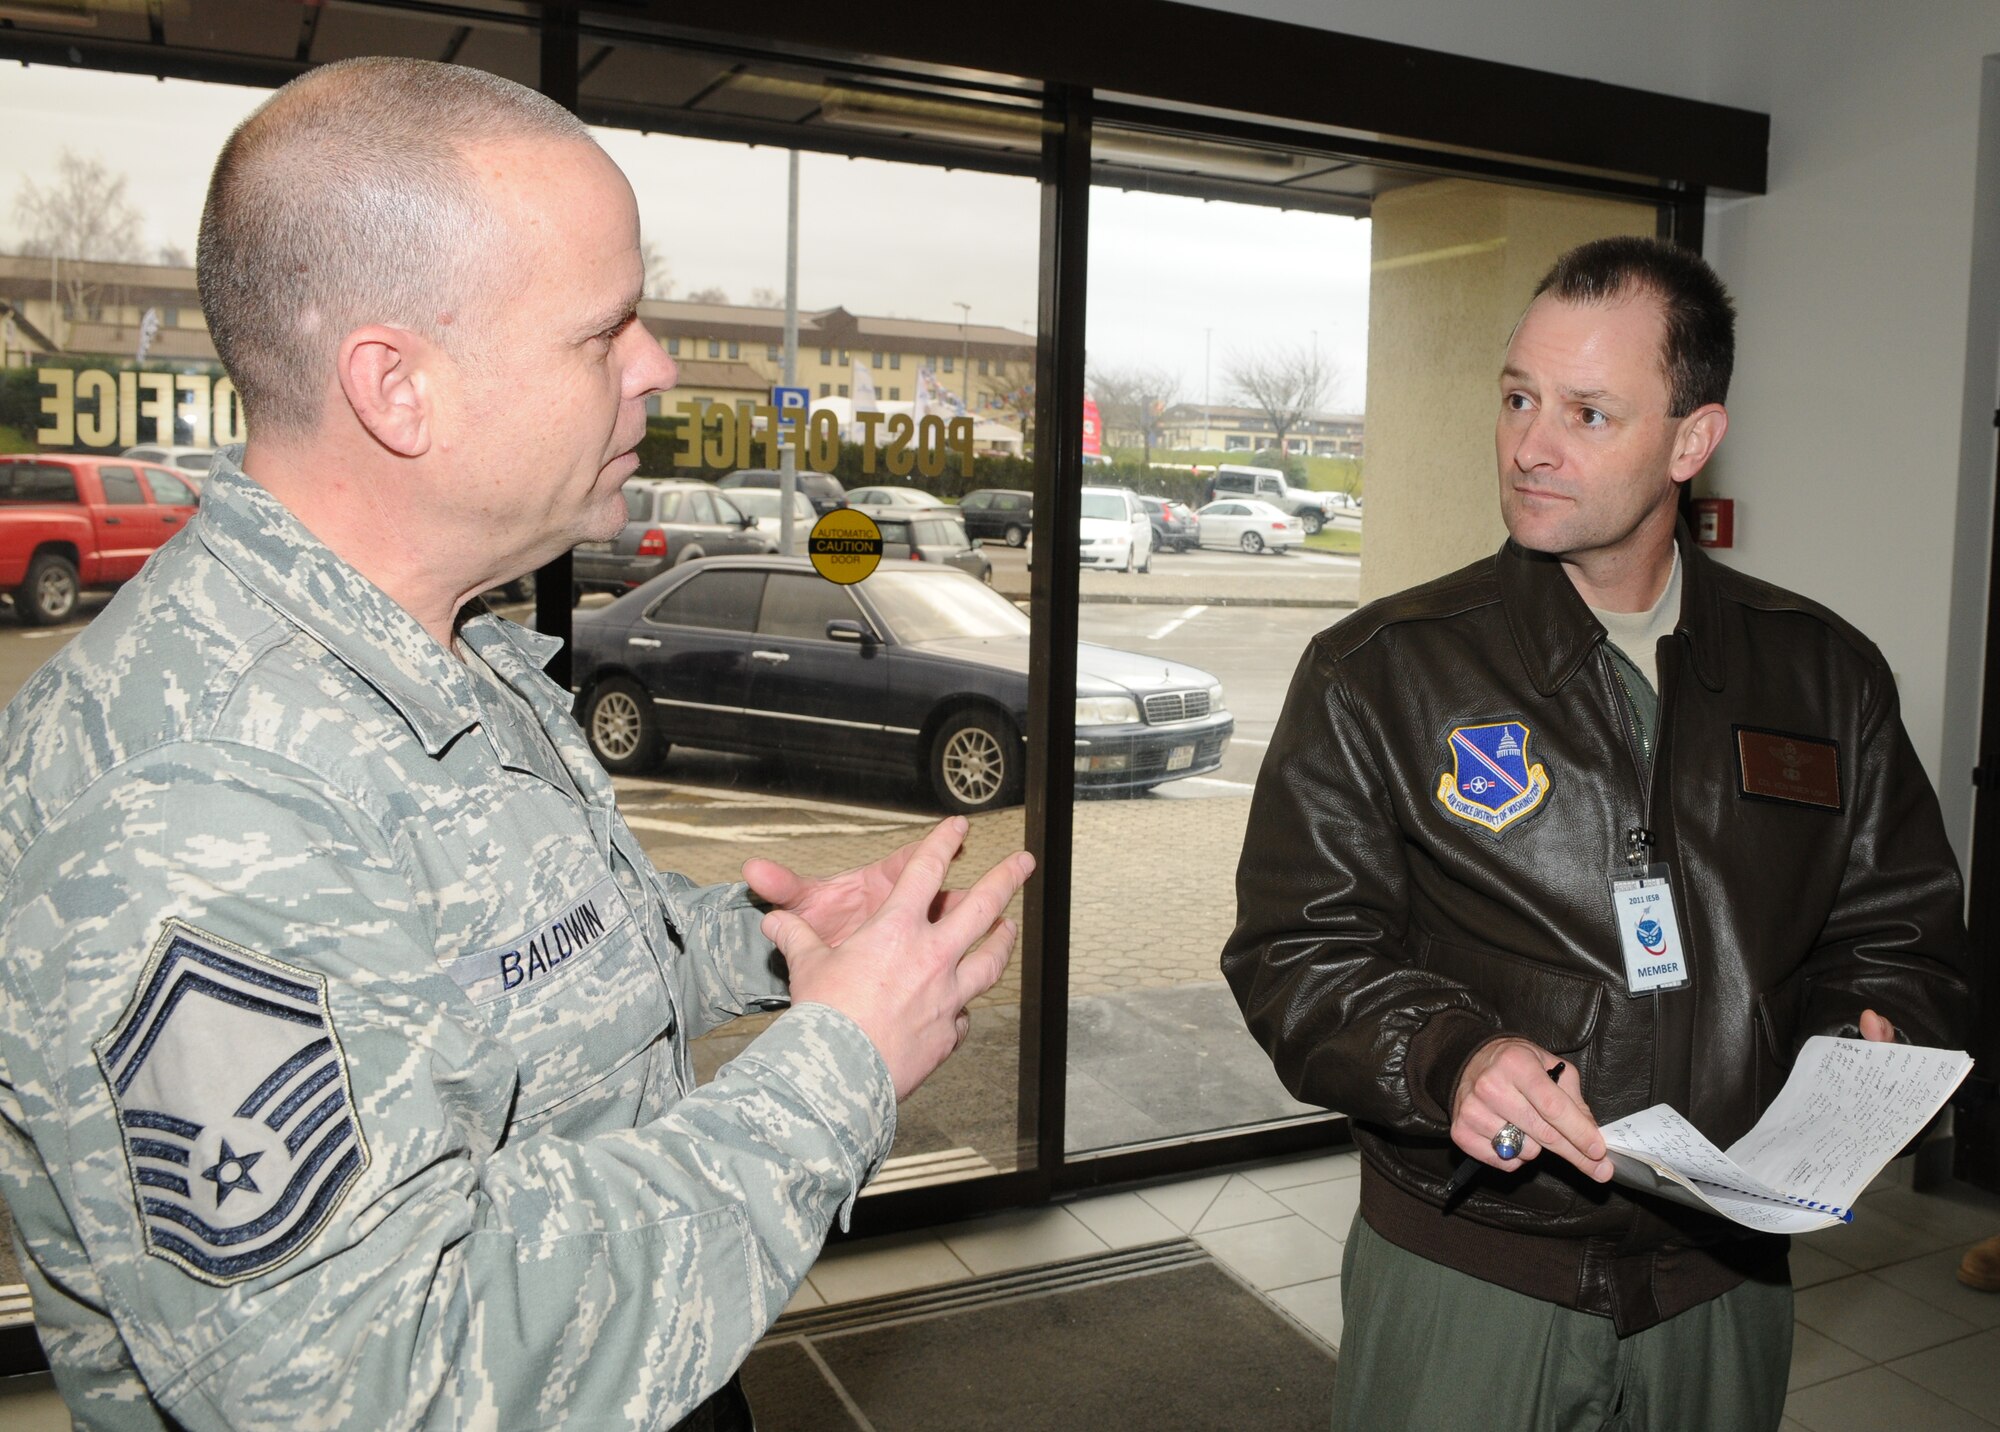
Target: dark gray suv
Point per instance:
(666, 523)
(1003, 512)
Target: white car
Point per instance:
(904, 500)
(1115, 531)
(760, 505)
(188, 461)
(1251, 525)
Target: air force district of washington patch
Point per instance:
(231, 1091)
(1490, 783)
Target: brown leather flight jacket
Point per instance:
(1381, 939)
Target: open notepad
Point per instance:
(1847, 1109)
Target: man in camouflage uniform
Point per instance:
(344, 1077)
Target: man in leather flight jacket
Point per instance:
(1425, 919)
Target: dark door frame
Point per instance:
(1976, 1129)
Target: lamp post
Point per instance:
(964, 354)
(1207, 348)
(788, 459)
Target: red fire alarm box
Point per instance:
(1715, 521)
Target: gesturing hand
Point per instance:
(906, 968)
(835, 905)
(1507, 1081)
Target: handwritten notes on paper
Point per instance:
(1847, 1109)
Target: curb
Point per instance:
(1185, 599)
(1120, 599)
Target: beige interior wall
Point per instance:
(1454, 263)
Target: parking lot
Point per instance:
(1156, 1046)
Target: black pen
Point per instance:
(1469, 1166)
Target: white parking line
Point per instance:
(41, 635)
(1187, 615)
(1247, 741)
(751, 834)
(637, 785)
(1218, 781)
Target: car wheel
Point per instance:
(1146, 567)
(50, 592)
(1251, 543)
(624, 734)
(1016, 536)
(1310, 521)
(975, 763)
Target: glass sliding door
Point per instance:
(1292, 361)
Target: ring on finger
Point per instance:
(1507, 1143)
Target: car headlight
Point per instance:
(1215, 698)
(1106, 711)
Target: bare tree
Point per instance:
(1288, 385)
(1133, 400)
(1014, 390)
(80, 213)
(766, 298)
(659, 274)
(712, 294)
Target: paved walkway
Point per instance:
(1153, 894)
(1297, 579)
(1157, 1049)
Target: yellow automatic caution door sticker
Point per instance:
(845, 546)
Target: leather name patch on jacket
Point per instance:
(1779, 766)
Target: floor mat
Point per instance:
(1159, 1338)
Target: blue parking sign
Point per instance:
(786, 398)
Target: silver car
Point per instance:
(667, 522)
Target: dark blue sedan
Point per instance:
(918, 669)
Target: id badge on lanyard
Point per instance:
(1649, 930)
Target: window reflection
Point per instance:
(760, 708)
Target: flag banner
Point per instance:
(934, 399)
(864, 390)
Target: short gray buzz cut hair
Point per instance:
(347, 199)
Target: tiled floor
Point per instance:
(1886, 1337)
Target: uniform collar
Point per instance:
(256, 536)
(1555, 632)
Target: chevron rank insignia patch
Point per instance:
(231, 1092)
(1492, 783)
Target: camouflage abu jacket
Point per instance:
(343, 1028)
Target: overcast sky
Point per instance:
(1173, 282)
